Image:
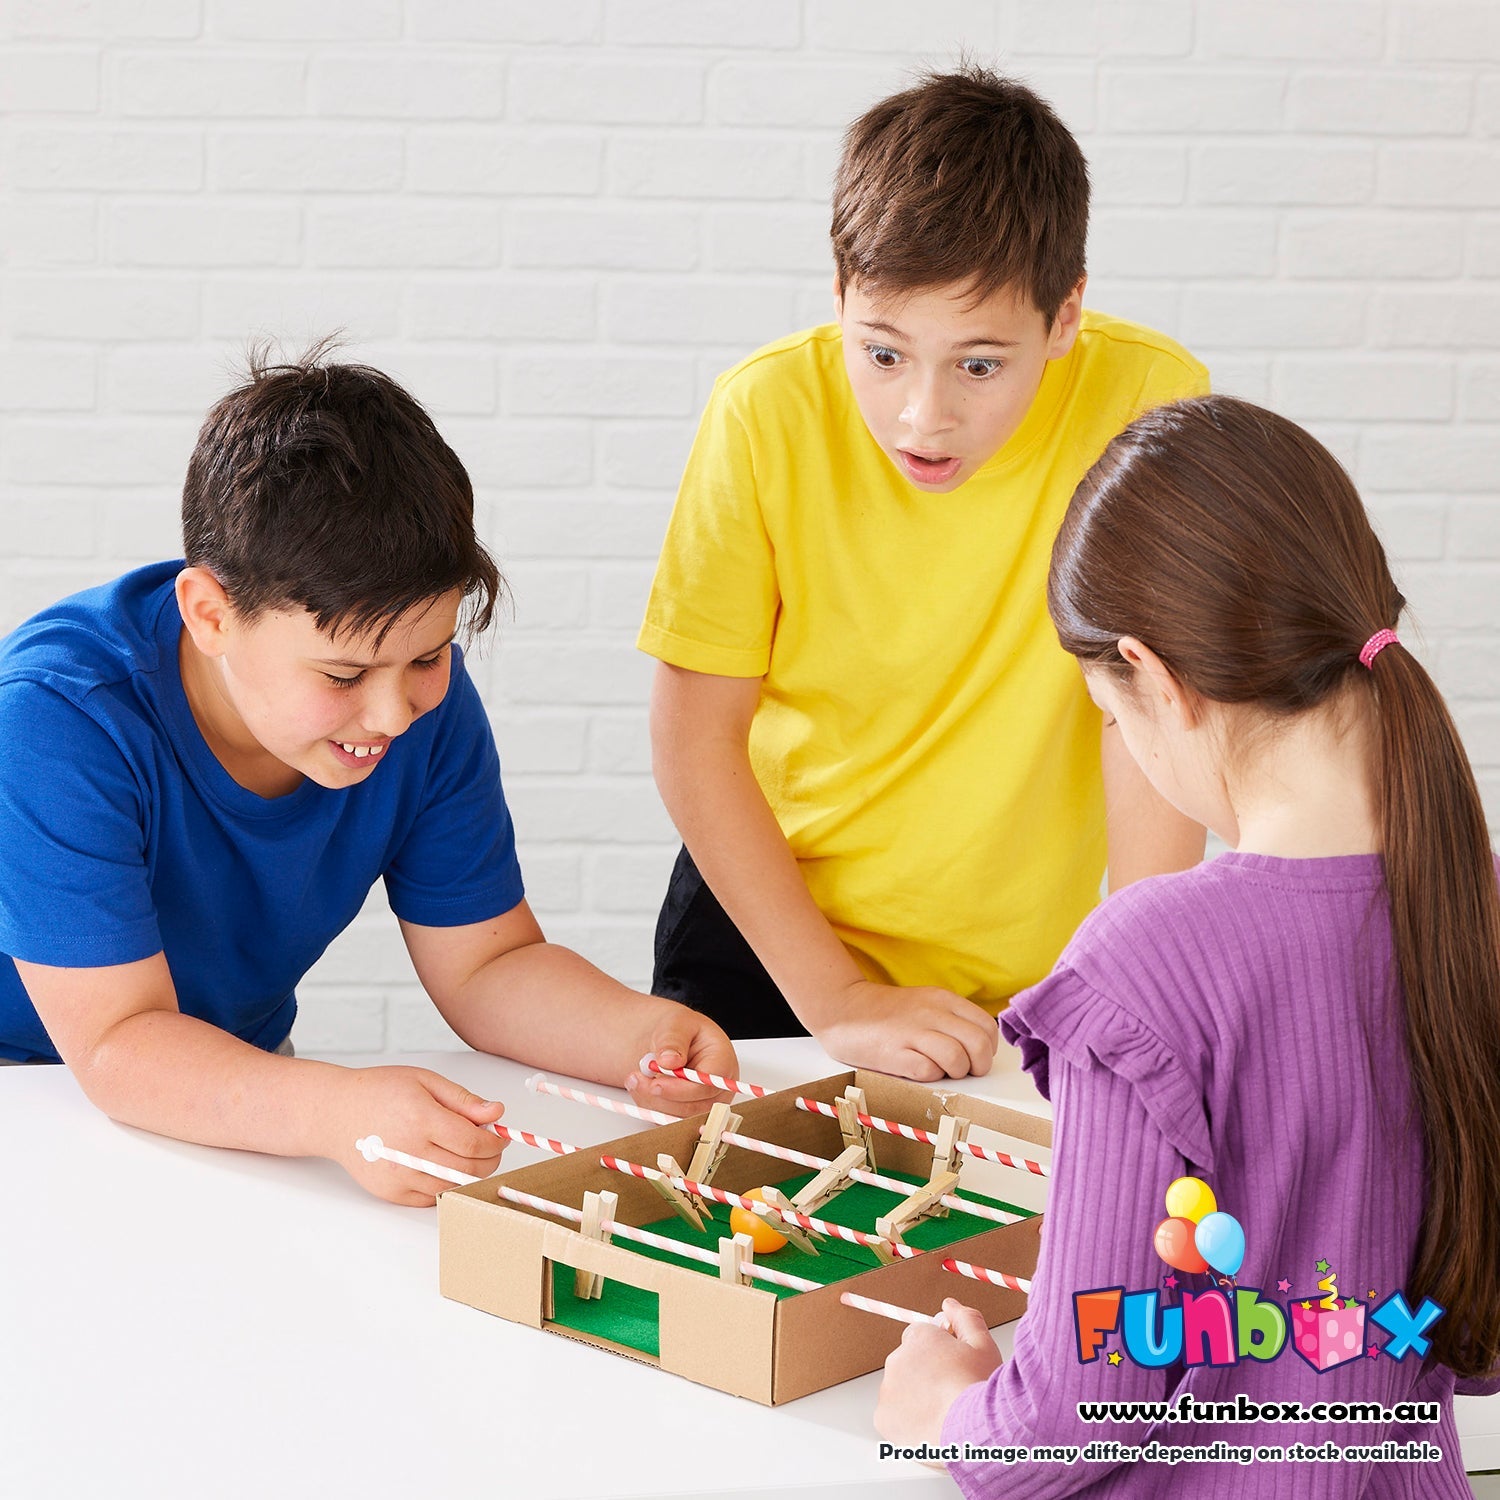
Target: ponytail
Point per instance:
(1233, 544)
(1445, 924)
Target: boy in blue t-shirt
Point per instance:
(207, 766)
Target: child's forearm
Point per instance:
(177, 1076)
(732, 834)
(549, 1007)
(700, 735)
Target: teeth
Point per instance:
(361, 751)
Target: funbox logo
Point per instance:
(1210, 1320)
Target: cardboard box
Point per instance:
(740, 1339)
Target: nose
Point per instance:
(388, 711)
(929, 410)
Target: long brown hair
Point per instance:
(1235, 546)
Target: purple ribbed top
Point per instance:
(1238, 1022)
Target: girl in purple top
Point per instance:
(1309, 1024)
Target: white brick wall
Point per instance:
(557, 222)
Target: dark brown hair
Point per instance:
(326, 487)
(1235, 546)
(967, 178)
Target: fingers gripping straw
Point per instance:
(649, 1064)
(372, 1148)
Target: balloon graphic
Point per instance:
(1221, 1242)
(1190, 1198)
(1174, 1243)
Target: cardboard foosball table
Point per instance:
(770, 1345)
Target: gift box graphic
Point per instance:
(1327, 1337)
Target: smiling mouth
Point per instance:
(927, 468)
(360, 752)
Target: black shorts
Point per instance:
(702, 961)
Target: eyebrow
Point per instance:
(892, 331)
(364, 666)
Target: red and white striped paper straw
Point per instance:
(541, 1142)
(912, 1133)
(539, 1083)
(890, 1310)
(649, 1064)
(984, 1273)
(765, 1210)
(870, 1179)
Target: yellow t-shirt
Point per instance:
(927, 747)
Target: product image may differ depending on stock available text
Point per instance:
(807, 1226)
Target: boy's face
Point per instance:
(943, 381)
(278, 699)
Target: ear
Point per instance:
(205, 609)
(1156, 680)
(838, 298)
(1065, 324)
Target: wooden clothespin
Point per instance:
(775, 1198)
(918, 1206)
(834, 1178)
(733, 1253)
(710, 1150)
(598, 1209)
(687, 1209)
(850, 1106)
(946, 1157)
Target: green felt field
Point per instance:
(629, 1316)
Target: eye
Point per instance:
(981, 369)
(345, 682)
(427, 663)
(882, 357)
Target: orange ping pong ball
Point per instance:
(762, 1236)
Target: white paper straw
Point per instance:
(890, 1310)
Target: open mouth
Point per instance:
(352, 754)
(924, 468)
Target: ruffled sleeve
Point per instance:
(1067, 1015)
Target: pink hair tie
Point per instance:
(1375, 645)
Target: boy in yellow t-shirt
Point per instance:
(886, 770)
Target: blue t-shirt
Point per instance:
(122, 836)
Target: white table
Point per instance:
(181, 1321)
